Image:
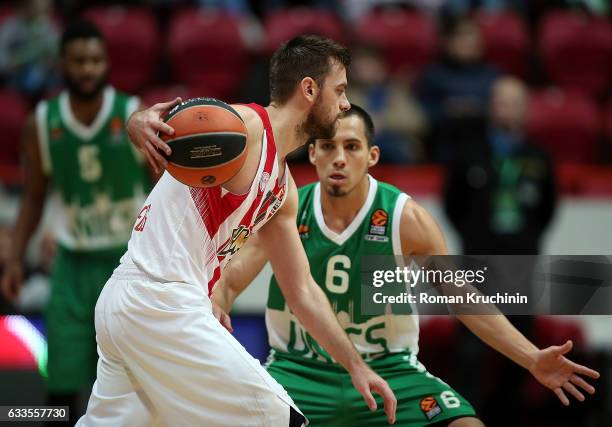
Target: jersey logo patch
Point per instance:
(263, 181)
(56, 133)
(378, 222)
(116, 129)
(234, 243)
(429, 406)
(141, 220)
(303, 231)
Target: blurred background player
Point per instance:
(347, 216)
(78, 142)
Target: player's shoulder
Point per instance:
(389, 194)
(385, 187)
(306, 190)
(249, 116)
(122, 96)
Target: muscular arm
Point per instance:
(280, 241)
(239, 273)
(421, 235)
(30, 211)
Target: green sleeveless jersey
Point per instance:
(335, 264)
(101, 178)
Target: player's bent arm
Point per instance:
(421, 235)
(30, 210)
(239, 273)
(280, 240)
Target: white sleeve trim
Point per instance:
(132, 105)
(396, 222)
(43, 136)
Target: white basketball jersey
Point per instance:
(185, 234)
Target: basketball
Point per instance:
(209, 142)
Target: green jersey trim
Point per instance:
(347, 233)
(79, 129)
(43, 136)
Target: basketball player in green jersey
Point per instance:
(346, 215)
(78, 142)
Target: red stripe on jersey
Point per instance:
(215, 278)
(214, 209)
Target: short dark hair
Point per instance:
(368, 123)
(303, 56)
(81, 29)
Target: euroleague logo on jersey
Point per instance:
(378, 226)
(429, 406)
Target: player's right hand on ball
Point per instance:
(11, 281)
(144, 126)
(366, 381)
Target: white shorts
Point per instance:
(166, 360)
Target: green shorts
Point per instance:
(76, 281)
(327, 397)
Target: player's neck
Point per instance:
(86, 110)
(339, 212)
(286, 121)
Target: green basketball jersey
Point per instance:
(100, 176)
(335, 264)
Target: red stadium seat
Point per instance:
(506, 41)
(567, 124)
(407, 39)
(287, 23)
(133, 41)
(14, 112)
(208, 51)
(577, 51)
(6, 10)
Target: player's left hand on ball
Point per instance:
(366, 381)
(222, 317)
(561, 375)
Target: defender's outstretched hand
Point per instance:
(366, 381)
(143, 127)
(555, 371)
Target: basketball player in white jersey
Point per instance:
(164, 357)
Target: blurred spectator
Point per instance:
(456, 88)
(233, 6)
(28, 48)
(500, 193)
(500, 196)
(398, 119)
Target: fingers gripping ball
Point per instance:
(209, 142)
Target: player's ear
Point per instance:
(311, 152)
(309, 89)
(374, 155)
